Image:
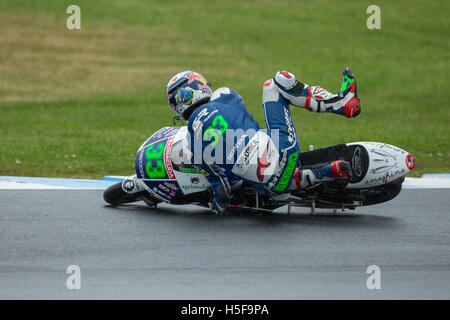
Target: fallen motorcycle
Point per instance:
(379, 170)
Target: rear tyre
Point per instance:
(382, 193)
(115, 195)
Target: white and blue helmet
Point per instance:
(186, 90)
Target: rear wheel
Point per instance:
(333, 195)
(382, 193)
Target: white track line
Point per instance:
(426, 181)
(5, 184)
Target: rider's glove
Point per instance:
(217, 207)
(221, 192)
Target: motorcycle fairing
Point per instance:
(161, 164)
(154, 166)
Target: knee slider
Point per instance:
(270, 92)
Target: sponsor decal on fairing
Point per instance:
(167, 160)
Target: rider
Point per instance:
(227, 143)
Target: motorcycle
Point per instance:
(379, 170)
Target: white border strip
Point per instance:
(438, 181)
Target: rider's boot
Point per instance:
(306, 178)
(317, 99)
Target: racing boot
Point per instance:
(317, 99)
(307, 178)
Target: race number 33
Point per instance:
(154, 168)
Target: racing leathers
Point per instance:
(228, 145)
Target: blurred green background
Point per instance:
(78, 103)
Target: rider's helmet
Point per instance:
(186, 90)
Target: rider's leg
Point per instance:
(317, 99)
(281, 129)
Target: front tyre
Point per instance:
(115, 195)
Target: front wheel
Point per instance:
(115, 195)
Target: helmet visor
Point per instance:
(184, 96)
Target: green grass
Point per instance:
(80, 103)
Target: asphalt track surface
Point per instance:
(135, 252)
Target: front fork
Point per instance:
(132, 185)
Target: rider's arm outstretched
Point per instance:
(280, 92)
(317, 99)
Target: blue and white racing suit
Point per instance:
(229, 145)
